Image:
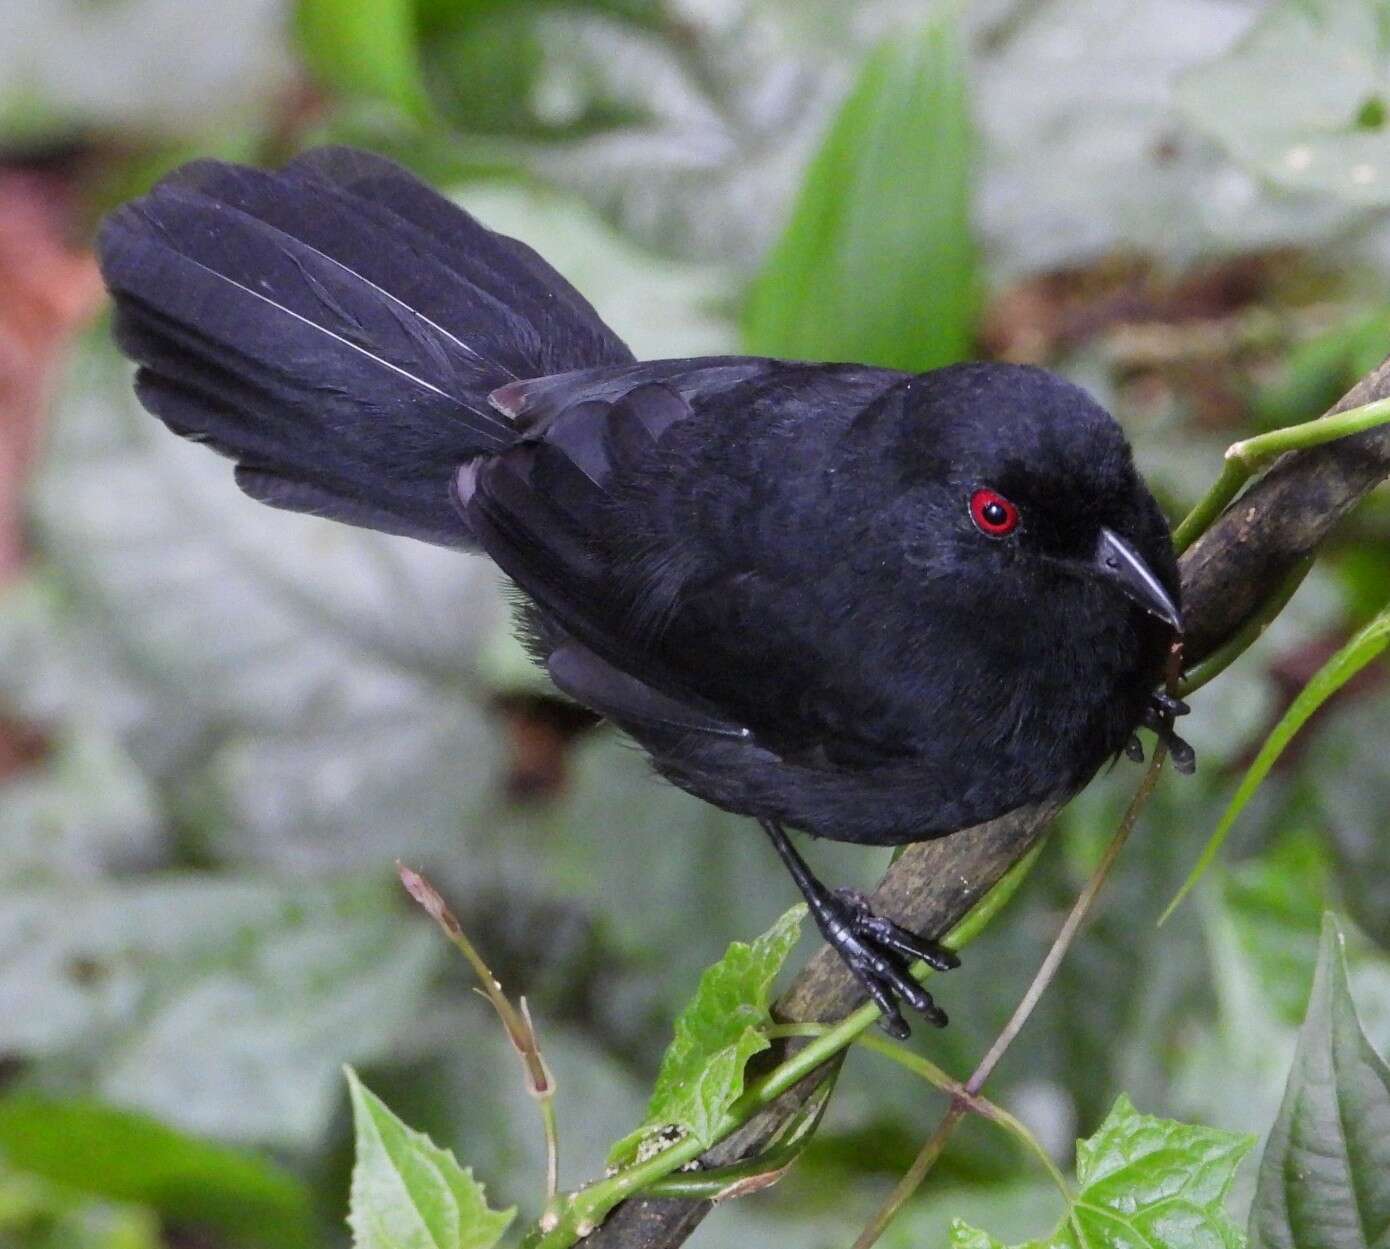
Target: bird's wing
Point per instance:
(669, 518)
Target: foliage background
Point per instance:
(223, 724)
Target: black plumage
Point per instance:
(874, 606)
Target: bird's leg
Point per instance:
(876, 950)
(1162, 709)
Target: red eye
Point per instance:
(993, 513)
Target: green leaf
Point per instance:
(1345, 774)
(1275, 905)
(1322, 129)
(878, 263)
(364, 48)
(407, 1193)
(1325, 1176)
(1335, 673)
(1144, 1183)
(97, 1149)
(36, 1213)
(719, 1030)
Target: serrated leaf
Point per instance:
(719, 1030)
(92, 1148)
(1320, 129)
(1143, 1183)
(364, 47)
(1365, 646)
(407, 1193)
(878, 263)
(1325, 1176)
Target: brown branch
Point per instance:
(1244, 557)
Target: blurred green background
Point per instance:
(220, 725)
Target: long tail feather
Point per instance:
(336, 328)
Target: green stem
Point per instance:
(570, 1218)
(750, 1174)
(1248, 634)
(1243, 458)
(922, 1066)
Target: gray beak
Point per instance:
(1117, 561)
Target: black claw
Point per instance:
(1170, 705)
(1134, 749)
(910, 944)
(876, 950)
(1156, 717)
(890, 1018)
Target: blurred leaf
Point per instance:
(1086, 155)
(1325, 1176)
(321, 679)
(1364, 647)
(1317, 372)
(1145, 1183)
(719, 106)
(719, 1030)
(223, 1006)
(38, 1214)
(364, 47)
(87, 809)
(1322, 128)
(878, 263)
(662, 308)
(153, 67)
(1275, 903)
(1350, 785)
(406, 1191)
(97, 1149)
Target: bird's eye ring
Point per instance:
(992, 513)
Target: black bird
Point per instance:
(873, 606)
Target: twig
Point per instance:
(922, 1066)
(515, 1021)
(1245, 457)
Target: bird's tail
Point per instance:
(336, 328)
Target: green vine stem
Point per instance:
(1244, 458)
(741, 1178)
(922, 1066)
(573, 1216)
(1248, 634)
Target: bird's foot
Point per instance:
(1163, 708)
(1165, 704)
(879, 952)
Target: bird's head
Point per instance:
(1032, 485)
